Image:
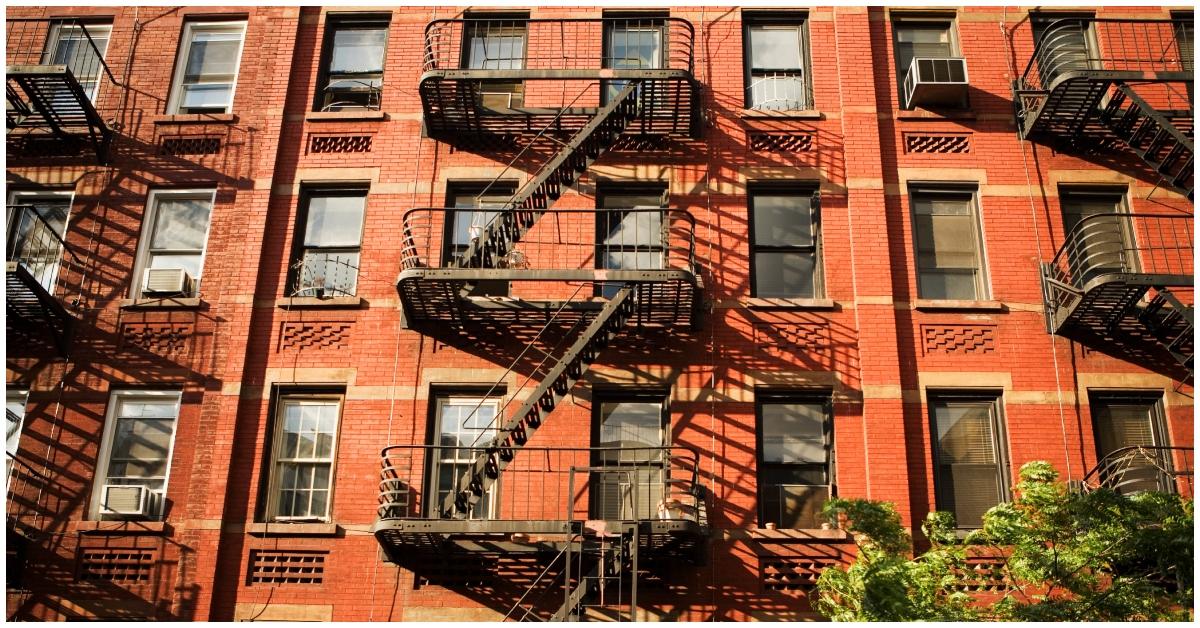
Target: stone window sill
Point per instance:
(280, 528)
(159, 528)
(171, 303)
(311, 303)
(767, 534)
(925, 114)
(952, 305)
(794, 114)
(345, 116)
(197, 118)
(789, 304)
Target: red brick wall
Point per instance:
(869, 345)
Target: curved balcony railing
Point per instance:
(1140, 468)
(1116, 243)
(1080, 44)
(663, 43)
(614, 483)
(562, 239)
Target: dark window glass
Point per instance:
(475, 207)
(949, 263)
(785, 244)
(1131, 421)
(352, 76)
(794, 461)
(328, 258)
(631, 432)
(497, 43)
(627, 240)
(970, 475)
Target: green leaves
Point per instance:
(1067, 556)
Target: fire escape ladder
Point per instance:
(496, 456)
(1172, 324)
(1152, 137)
(560, 172)
(601, 587)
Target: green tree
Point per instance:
(1070, 556)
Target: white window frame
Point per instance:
(55, 38)
(481, 440)
(285, 400)
(151, 214)
(12, 396)
(103, 459)
(185, 48)
(15, 198)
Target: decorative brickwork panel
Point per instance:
(287, 567)
(938, 143)
(955, 339)
(792, 573)
(313, 335)
(121, 565)
(182, 145)
(158, 338)
(983, 574)
(641, 143)
(777, 338)
(318, 144)
(774, 142)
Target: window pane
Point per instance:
(785, 275)
(358, 51)
(631, 260)
(793, 432)
(469, 225)
(211, 95)
(783, 220)
(969, 475)
(775, 47)
(335, 273)
(634, 47)
(946, 235)
(956, 285)
(777, 91)
(181, 223)
(643, 229)
(924, 40)
(497, 52)
(213, 55)
(334, 221)
(965, 433)
(631, 423)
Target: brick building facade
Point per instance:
(784, 256)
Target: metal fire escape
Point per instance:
(36, 251)
(565, 91)
(1103, 88)
(54, 72)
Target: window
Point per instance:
(15, 414)
(472, 202)
(1098, 233)
(174, 237)
(785, 242)
(37, 225)
(632, 42)
(139, 434)
(795, 454)
(632, 431)
(1123, 420)
(328, 256)
(207, 67)
(463, 427)
(969, 460)
(627, 240)
(352, 65)
(69, 45)
(497, 42)
(303, 461)
(776, 65)
(948, 242)
(933, 38)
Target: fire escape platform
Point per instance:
(30, 309)
(47, 101)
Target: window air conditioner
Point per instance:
(936, 81)
(166, 280)
(124, 499)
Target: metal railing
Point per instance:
(1117, 243)
(57, 42)
(623, 483)
(661, 43)
(326, 274)
(785, 90)
(39, 247)
(1140, 468)
(1133, 45)
(562, 239)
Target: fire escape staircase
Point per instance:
(33, 259)
(1153, 137)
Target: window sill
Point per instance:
(310, 303)
(170, 303)
(767, 534)
(926, 114)
(197, 118)
(160, 528)
(788, 304)
(952, 305)
(344, 116)
(794, 114)
(283, 528)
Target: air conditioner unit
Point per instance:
(125, 499)
(936, 81)
(166, 280)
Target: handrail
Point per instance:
(35, 244)
(1108, 472)
(1124, 243)
(27, 42)
(444, 42)
(1104, 44)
